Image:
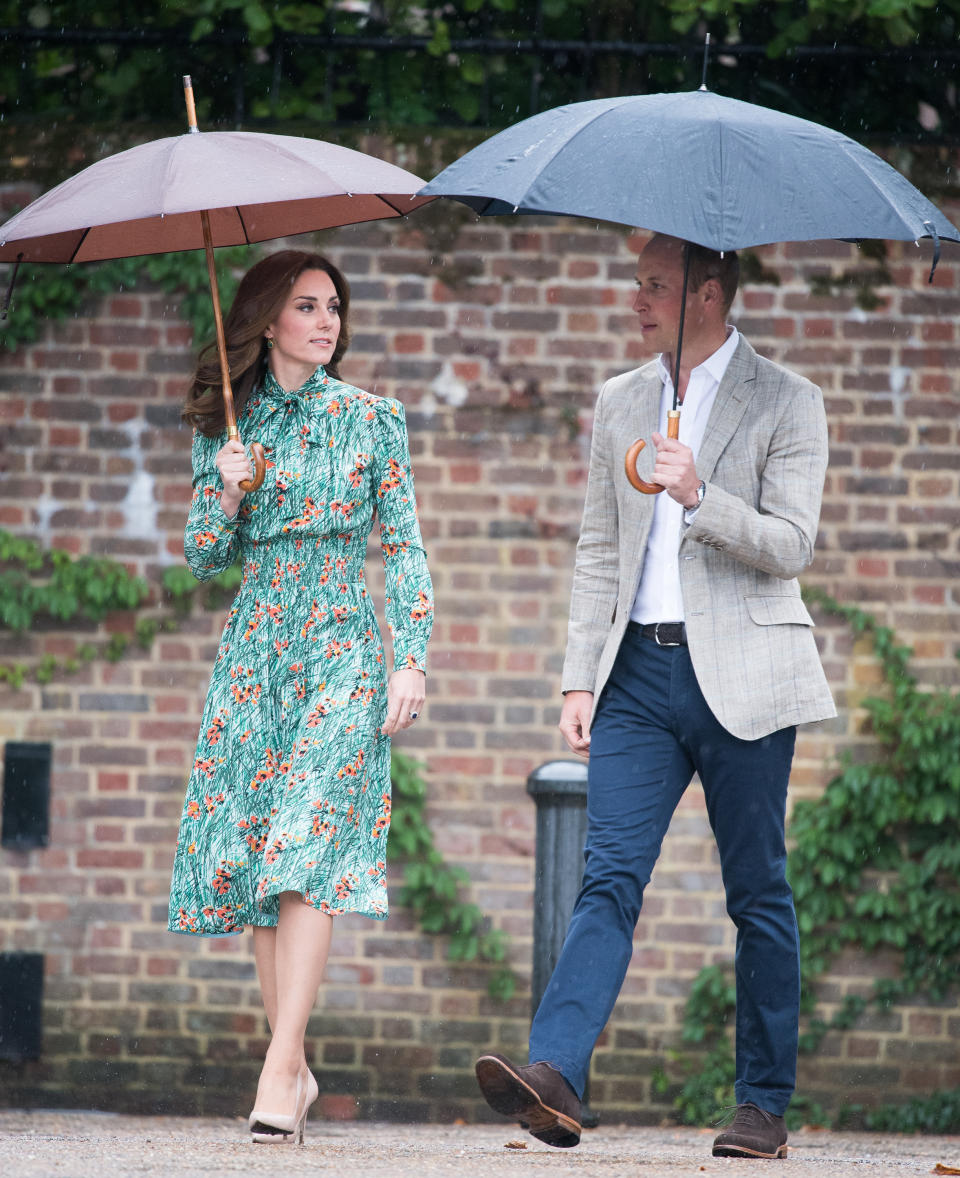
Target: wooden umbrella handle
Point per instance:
(259, 463)
(259, 469)
(630, 461)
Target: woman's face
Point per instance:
(306, 330)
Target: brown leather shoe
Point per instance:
(754, 1133)
(536, 1094)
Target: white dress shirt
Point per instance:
(658, 597)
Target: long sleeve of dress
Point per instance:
(408, 589)
(210, 542)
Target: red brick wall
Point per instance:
(498, 371)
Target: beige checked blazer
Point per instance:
(763, 460)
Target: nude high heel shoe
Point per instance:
(278, 1128)
(313, 1088)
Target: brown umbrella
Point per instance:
(198, 191)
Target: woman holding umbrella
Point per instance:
(288, 805)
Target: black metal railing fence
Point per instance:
(362, 75)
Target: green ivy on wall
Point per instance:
(432, 887)
(37, 584)
(875, 866)
(53, 292)
(937, 1113)
(878, 865)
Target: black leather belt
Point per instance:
(662, 633)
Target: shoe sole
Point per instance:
(508, 1094)
(266, 1136)
(741, 1151)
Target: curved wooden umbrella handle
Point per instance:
(630, 466)
(630, 461)
(259, 469)
(256, 452)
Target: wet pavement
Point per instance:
(50, 1144)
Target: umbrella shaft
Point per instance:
(683, 315)
(228, 411)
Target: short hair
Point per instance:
(725, 268)
(707, 263)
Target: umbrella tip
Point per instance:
(191, 107)
(706, 61)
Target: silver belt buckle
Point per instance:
(656, 635)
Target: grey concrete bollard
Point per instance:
(559, 789)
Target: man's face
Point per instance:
(657, 297)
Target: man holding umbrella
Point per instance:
(689, 650)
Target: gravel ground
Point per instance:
(49, 1144)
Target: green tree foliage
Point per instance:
(395, 63)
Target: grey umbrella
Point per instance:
(723, 173)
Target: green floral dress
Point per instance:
(290, 788)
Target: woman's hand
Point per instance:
(406, 691)
(235, 468)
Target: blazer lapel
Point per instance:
(736, 390)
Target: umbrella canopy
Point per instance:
(146, 200)
(716, 171)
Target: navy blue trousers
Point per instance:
(652, 731)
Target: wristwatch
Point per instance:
(689, 514)
(700, 492)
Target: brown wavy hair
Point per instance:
(260, 297)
